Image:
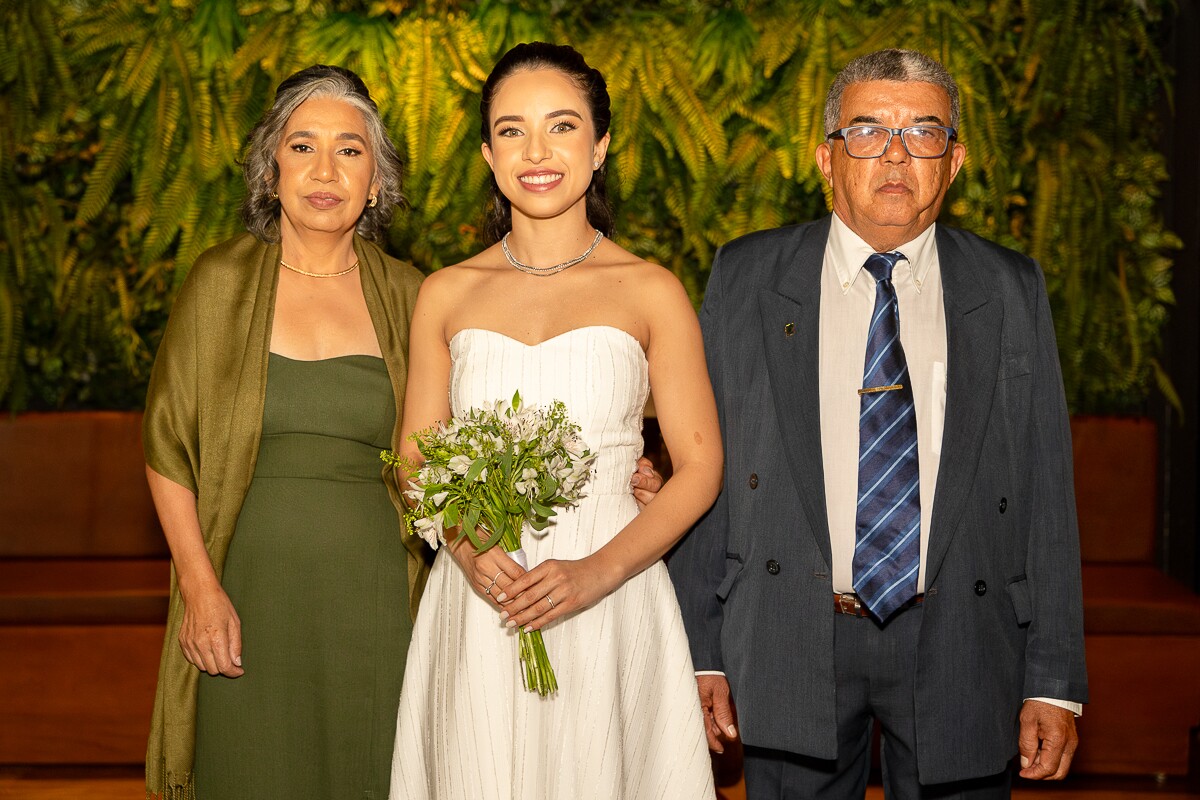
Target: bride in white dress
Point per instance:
(559, 312)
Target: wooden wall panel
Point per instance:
(74, 485)
(1145, 699)
(77, 694)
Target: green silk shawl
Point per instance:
(202, 428)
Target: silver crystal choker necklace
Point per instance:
(545, 271)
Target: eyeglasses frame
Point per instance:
(840, 133)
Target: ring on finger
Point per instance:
(550, 600)
(492, 585)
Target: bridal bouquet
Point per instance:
(490, 473)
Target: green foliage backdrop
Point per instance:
(121, 124)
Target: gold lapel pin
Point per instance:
(789, 329)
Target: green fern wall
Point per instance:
(121, 124)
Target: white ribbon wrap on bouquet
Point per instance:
(519, 556)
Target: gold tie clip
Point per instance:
(875, 389)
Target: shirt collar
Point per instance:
(849, 252)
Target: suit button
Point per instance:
(1003, 504)
(980, 588)
(753, 480)
(773, 567)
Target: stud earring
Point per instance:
(374, 201)
(595, 165)
(274, 195)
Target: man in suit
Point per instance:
(896, 538)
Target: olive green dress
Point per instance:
(317, 574)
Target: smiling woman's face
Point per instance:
(326, 168)
(543, 144)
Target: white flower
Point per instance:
(414, 492)
(528, 483)
(430, 529)
(460, 464)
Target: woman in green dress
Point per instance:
(276, 385)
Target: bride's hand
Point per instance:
(490, 572)
(554, 589)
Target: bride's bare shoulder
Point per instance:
(649, 278)
(463, 275)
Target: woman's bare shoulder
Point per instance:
(652, 283)
(462, 275)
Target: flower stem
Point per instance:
(538, 676)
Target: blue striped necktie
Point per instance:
(887, 550)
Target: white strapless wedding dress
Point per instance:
(625, 723)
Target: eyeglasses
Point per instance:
(872, 141)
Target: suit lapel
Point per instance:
(973, 325)
(790, 315)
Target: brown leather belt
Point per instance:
(851, 605)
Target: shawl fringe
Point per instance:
(168, 787)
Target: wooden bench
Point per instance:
(83, 590)
(1142, 627)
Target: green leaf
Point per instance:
(470, 522)
(492, 539)
(476, 469)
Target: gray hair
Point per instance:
(261, 209)
(889, 65)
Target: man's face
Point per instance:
(889, 200)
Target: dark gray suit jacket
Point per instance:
(1002, 618)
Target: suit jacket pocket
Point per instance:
(1014, 365)
(733, 566)
(1018, 593)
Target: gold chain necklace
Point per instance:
(305, 272)
(545, 271)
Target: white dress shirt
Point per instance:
(847, 303)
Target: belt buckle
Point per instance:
(850, 604)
